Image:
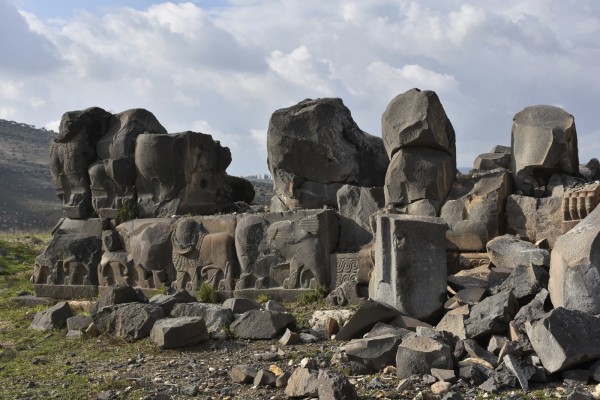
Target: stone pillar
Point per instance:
(410, 264)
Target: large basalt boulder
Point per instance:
(419, 174)
(565, 338)
(475, 209)
(575, 267)
(180, 174)
(315, 147)
(420, 141)
(410, 259)
(417, 119)
(71, 154)
(73, 254)
(356, 205)
(544, 141)
(113, 176)
(213, 315)
(289, 250)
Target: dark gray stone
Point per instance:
(112, 295)
(491, 315)
(565, 338)
(490, 161)
(79, 322)
(475, 209)
(369, 313)
(170, 333)
(168, 301)
(335, 386)
(213, 315)
(242, 373)
(303, 383)
(417, 355)
(544, 141)
(260, 324)
(473, 349)
(410, 259)
(525, 282)
(375, 352)
(54, 317)
(241, 305)
(134, 321)
(575, 377)
(509, 252)
(315, 147)
(264, 377)
(520, 370)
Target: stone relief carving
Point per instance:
(199, 256)
(578, 203)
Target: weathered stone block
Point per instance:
(565, 338)
(544, 141)
(172, 333)
(356, 205)
(410, 259)
(315, 147)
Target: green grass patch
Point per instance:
(18, 251)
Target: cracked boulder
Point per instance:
(314, 148)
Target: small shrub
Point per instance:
(262, 298)
(207, 294)
(314, 296)
(127, 212)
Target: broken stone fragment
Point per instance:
(565, 338)
(243, 373)
(335, 386)
(303, 383)
(491, 315)
(54, 317)
(417, 355)
(510, 252)
(177, 332)
(260, 324)
(375, 352)
(214, 316)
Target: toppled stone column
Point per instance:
(544, 141)
(420, 143)
(314, 148)
(410, 264)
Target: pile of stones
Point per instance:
(489, 279)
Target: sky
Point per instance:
(222, 67)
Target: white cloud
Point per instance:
(224, 70)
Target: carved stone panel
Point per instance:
(578, 203)
(344, 268)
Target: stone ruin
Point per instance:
(390, 219)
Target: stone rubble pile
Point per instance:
(489, 279)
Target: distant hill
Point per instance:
(27, 199)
